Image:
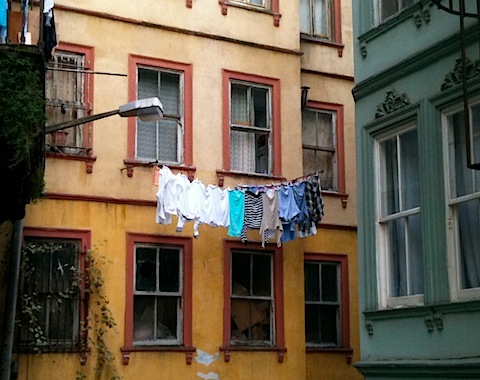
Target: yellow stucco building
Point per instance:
(254, 92)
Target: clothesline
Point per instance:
(287, 210)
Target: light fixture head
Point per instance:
(149, 109)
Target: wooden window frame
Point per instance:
(87, 154)
(274, 84)
(186, 245)
(84, 236)
(278, 299)
(158, 64)
(338, 109)
(342, 261)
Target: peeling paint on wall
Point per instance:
(205, 358)
(208, 376)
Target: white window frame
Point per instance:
(156, 294)
(252, 128)
(378, 10)
(452, 229)
(385, 300)
(329, 20)
(178, 118)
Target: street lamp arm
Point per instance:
(149, 109)
(81, 120)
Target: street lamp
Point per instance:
(149, 109)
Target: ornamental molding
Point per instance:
(392, 103)
(456, 75)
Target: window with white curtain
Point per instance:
(316, 18)
(250, 128)
(387, 8)
(161, 140)
(400, 256)
(463, 203)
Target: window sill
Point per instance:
(130, 164)
(228, 349)
(221, 174)
(432, 314)
(348, 352)
(188, 350)
(323, 41)
(276, 15)
(84, 156)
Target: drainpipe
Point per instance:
(8, 333)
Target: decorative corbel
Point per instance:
(281, 356)
(188, 357)
(429, 322)
(125, 357)
(363, 50)
(224, 6)
(369, 326)
(226, 356)
(188, 3)
(438, 320)
(276, 19)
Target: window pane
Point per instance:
(146, 139)
(167, 309)
(169, 265)
(322, 163)
(309, 127)
(143, 318)
(389, 8)
(305, 17)
(415, 254)
(239, 105)
(241, 273)
(397, 259)
(250, 321)
(170, 93)
(410, 170)
(145, 269)
(390, 190)
(468, 225)
(321, 18)
(260, 107)
(329, 283)
(147, 86)
(261, 275)
(168, 140)
(312, 281)
(325, 136)
(242, 151)
(322, 325)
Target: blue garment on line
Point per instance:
(237, 212)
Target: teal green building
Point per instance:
(417, 94)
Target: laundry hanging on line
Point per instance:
(282, 212)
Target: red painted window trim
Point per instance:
(342, 260)
(278, 297)
(186, 245)
(227, 76)
(88, 89)
(85, 238)
(133, 62)
(340, 129)
(274, 9)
